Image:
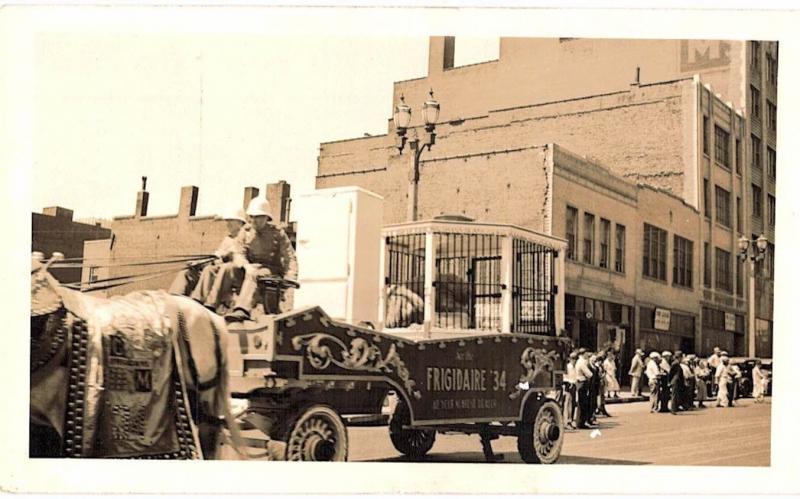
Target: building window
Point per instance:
(706, 265)
(572, 233)
(619, 249)
(755, 56)
(706, 198)
(739, 215)
(92, 274)
(723, 206)
(605, 242)
(588, 238)
(722, 151)
(682, 258)
(739, 277)
(769, 261)
(705, 135)
(738, 156)
(756, 194)
(771, 210)
(772, 116)
(654, 256)
(772, 69)
(771, 162)
(724, 281)
(755, 103)
(756, 152)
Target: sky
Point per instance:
(218, 111)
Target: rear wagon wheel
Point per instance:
(541, 433)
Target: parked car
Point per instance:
(745, 383)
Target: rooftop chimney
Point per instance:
(249, 194)
(278, 197)
(57, 211)
(441, 54)
(141, 200)
(188, 206)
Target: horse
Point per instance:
(94, 359)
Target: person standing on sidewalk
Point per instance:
(583, 376)
(687, 400)
(610, 368)
(635, 372)
(701, 373)
(676, 382)
(722, 377)
(713, 362)
(570, 379)
(653, 373)
(665, 389)
(758, 382)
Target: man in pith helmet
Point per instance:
(264, 250)
(191, 281)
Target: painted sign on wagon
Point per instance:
(461, 379)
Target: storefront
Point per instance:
(724, 330)
(597, 324)
(665, 329)
(763, 338)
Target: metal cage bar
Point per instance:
(534, 289)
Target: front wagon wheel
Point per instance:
(318, 434)
(412, 443)
(541, 433)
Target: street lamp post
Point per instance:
(752, 250)
(402, 120)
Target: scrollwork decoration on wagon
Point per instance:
(534, 361)
(359, 355)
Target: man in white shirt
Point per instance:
(569, 391)
(582, 376)
(635, 372)
(653, 373)
(722, 377)
(713, 363)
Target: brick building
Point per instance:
(143, 238)
(54, 230)
(676, 162)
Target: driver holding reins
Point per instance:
(263, 250)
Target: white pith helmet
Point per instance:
(236, 214)
(259, 207)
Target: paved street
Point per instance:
(739, 436)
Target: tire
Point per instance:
(317, 434)
(541, 432)
(412, 443)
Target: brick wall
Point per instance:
(639, 134)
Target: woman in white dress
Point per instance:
(723, 377)
(758, 383)
(610, 367)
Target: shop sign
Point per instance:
(730, 321)
(661, 320)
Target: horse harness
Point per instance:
(64, 329)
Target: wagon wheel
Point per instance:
(541, 433)
(318, 434)
(412, 443)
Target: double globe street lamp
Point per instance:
(402, 122)
(754, 251)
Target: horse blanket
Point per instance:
(127, 396)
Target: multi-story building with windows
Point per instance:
(663, 174)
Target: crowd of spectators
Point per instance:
(677, 382)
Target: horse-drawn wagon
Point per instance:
(466, 338)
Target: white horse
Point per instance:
(198, 341)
